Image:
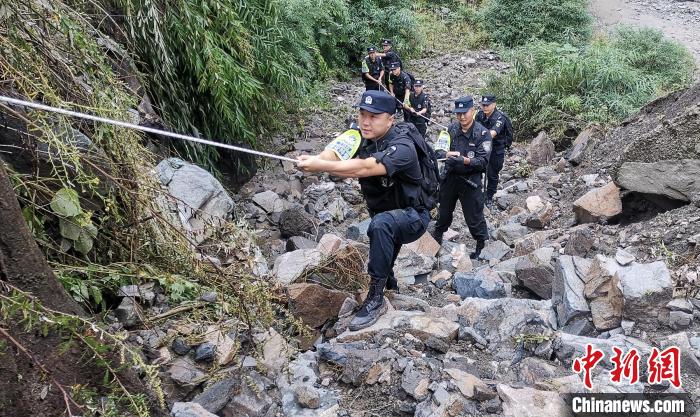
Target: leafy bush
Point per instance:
(517, 22)
(561, 88)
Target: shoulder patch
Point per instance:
(487, 145)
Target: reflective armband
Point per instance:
(443, 141)
(346, 145)
(365, 68)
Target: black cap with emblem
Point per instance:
(376, 101)
(463, 104)
(488, 99)
(418, 83)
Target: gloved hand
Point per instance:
(455, 164)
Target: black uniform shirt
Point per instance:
(374, 68)
(474, 144)
(497, 123)
(400, 187)
(390, 57)
(419, 102)
(401, 83)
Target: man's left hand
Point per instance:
(455, 162)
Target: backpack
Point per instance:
(427, 160)
(508, 128)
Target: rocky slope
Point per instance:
(581, 252)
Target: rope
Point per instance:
(420, 115)
(119, 123)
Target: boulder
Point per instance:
(252, 399)
(421, 325)
(581, 144)
(568, 288)
(217, 395)
(598, 204)
(646, 289)
(484, 283)
(535, 272)
(494, 250)
(529, 402)
(200, 198)
(470, 386)
(541, 218)
(541, 150)
(329, 243)
(534, 203)
(315, 304)
(358, 363)
(291, 265)
(581, 241)
(410, 263)
(191, 409)
(676, 179)
(510, 233)
(415, 381)
(185, 373)
(358, 231)
(425, 245)
(604, 293)
(269, 201)
(299, 242)
(295, 221)
(623, 257)
(530, 243)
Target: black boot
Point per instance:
(437, 236)
(477, 251)
(392, 284)
(372, 308)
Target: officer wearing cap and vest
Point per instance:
(498, 125)
(385, 160)
(388, 56)
(372, 69)
(420, 107)
(467, 156)
(400, 86)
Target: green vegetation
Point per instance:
(517, 22)
(561, 88)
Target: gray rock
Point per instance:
(217, 395)
(291, 265)
(536, 272)
(646, 288)
(359, 362)
(358, 231)
(467, 333)
(253, 399)
(205, 352)
(484, 283)
(541, 218)
(680, 304)
(128, 312)
(623, 257)
(415, 381)
(307, 396)
(580, 242)
(604, 293)
(690, 362)
(185, 373)
(200, 198)
(528, 402)
(209, 297)
(153, 338)
(598, 204)
(180, 346)
(191, 409)
(295, 221)
(581, 144)
(510, 233)
(269, 201)
(541, 150)
(568, 288)
(581, 326)
(298, 242)
(494, 250)
(410, 264)
(679, 320)
(676, 179)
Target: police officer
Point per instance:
(497, 123)
(420, 106)
(388, 56)
(372, 69)
(400, 87)
(387, 165)
(467, 158)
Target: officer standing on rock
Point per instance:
(388, 56)
(386, 160)
(372, 69)
(400, 86)
(500, 128)
(467, 156)
(420, 106)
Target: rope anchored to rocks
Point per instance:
(127, 125)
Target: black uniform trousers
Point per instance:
(495, 166)
(455, 188)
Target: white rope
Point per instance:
(420, 115)
(119, 123)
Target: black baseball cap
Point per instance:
(488, 99)
(375, 101)
(463, 104)
(371, 49)
(394, 65)
(386, 42)
(418, 83)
